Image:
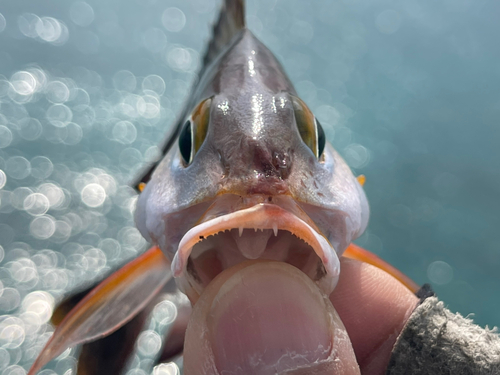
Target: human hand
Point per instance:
(268, 318)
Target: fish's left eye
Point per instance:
(310, 129)
(321, 138)
(194, 131)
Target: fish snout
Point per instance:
(257, 169)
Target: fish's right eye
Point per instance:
(194, 131)
(186, 142)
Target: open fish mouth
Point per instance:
(235, 229)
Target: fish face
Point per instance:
(255, 138)
(251, 177)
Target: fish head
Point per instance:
(251, 177)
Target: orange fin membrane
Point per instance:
(358, 253)
(361, 179)
(110, 305)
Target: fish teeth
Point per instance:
(240, 231)
(275, 229)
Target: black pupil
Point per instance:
(185, 144)
(321, 138)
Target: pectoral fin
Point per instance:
(110, 354)
(355, 252)
(110, 305)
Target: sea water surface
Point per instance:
(408, 93)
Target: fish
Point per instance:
(246, 173)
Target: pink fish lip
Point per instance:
(295, 240)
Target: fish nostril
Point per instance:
(270, 170)
(282, 163)
(224, 163)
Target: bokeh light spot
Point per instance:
(43, 227)
(124, 132)
(41, 167)
(3, 179)
(440, 272)
(59, 115)
(18, 167)
(51, 30)
(93, 195)
(23, 83)
(74, 134)
(173, 19)
(166, 369)
(165, 312)
(30, 129)
(81, 13)
(111, 248)
(154, 83)
(125, 80)
(9, 299)
(356, 155)
(57, 92)
(53, 193)
(180, 59)
(148, 106)
(36, 204)
(3, 23)
(149, 343)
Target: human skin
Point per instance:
(268, 318)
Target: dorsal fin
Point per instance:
(231, 21)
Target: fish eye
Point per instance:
(321, 138)
(194, 131)
(186, 142)
(310, 129)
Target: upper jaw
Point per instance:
(236, 228)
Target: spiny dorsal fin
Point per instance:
(231, 21)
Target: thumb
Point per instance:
(264, 317)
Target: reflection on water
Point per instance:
(406, 91)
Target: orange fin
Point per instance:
(66, 305)
(110, 305)
(358, 253)
(361, 179)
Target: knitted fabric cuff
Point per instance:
(436, 341)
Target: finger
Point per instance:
(374, 307)
(263, 317)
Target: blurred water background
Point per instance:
(407, 92)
